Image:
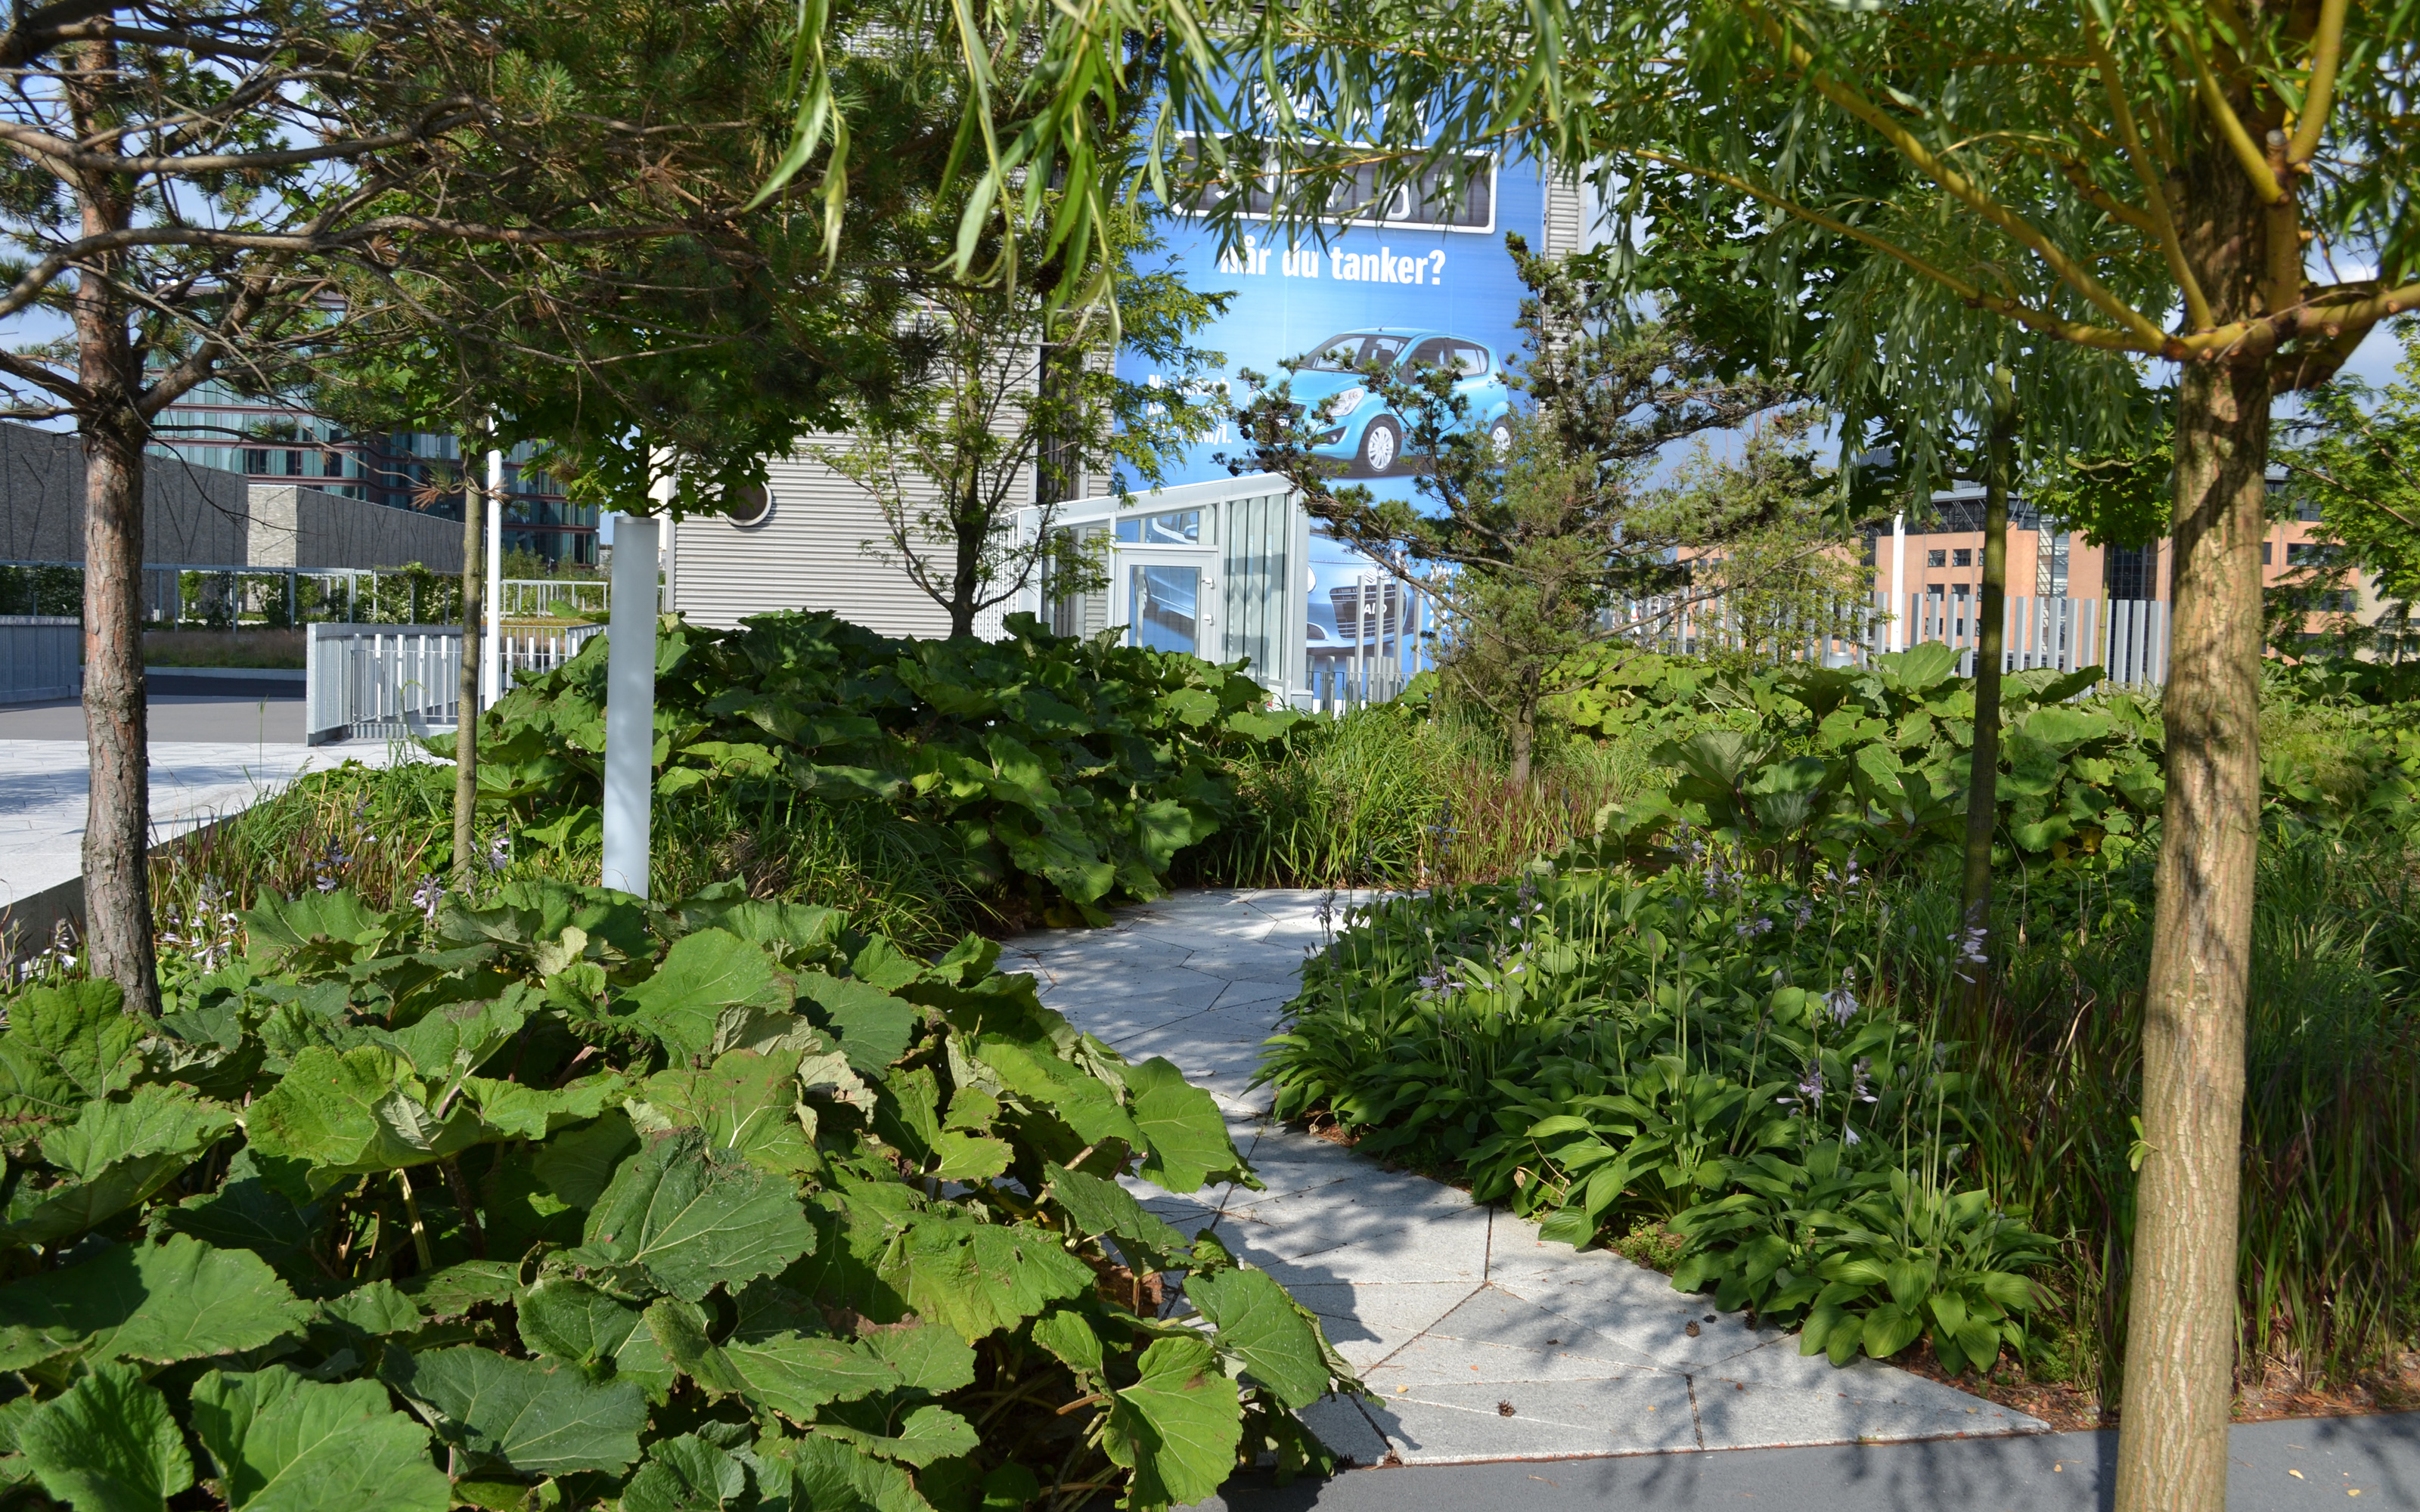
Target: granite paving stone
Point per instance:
(1453, 1311)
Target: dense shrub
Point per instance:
(1066, 772)
(1651, 1065)
(562, 1199)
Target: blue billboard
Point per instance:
(1421, 278)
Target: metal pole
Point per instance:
(490, 663)
(631, 700)
(1898, 577)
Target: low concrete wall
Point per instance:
(189, 514)
(42, 658)
(297, 527)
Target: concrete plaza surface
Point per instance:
(2271, 1467)
(1478, 1341)
(45, 784)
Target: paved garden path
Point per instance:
(1477, 1341)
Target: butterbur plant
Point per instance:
(568, 1201)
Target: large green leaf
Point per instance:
(48, 1216)
(745, 1104)
(702, 977)
(578, 1164)
(532, 1418)
(795, 1374)
(1182, 1129)
(107, 1444)
(159, 1118)
(825, 1473)
(283, 1443)
(977, 1277)
(573, 1322)
(359, 1111)
(690, 1217)
(1033, 1071)
(66, 1046)
(1260, 1326)
(180, 1300)
(1177, 1427)
(1102, 1207)
(873, 1026)
(688, 1474)
(522, 1112)
(453, 1042)
(930, 1432)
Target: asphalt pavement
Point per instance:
(221, 716)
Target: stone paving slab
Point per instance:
(1478, 1340)
(45, 784)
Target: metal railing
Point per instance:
(385, 681)
(177, 595)
(526, 652)
(554, 597)
(2128, 638)
(365, 680)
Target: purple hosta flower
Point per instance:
(1527, 899)
(1968, 942)
(1326, 914)
(330, 867)
(500, 850)
(1748, 929)
(1810, 1088)
(1439, 981)
(1802, 913)
(1840, 1002)
(1861, 1082)
(426, 897)
(1848, 1136)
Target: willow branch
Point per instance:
(2158, 344)
(2333, 312)
(2319, 96)
(2197, 314)
(1963, 190)
(2248, 155)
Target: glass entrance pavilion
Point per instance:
(1233, 569)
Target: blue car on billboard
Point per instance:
(1364, 432)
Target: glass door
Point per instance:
(1165, 600)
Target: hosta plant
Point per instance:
(1709, 1050)
(568, 1202)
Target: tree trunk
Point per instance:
(2181, 1327)
(117, 814)
(117, 822)
(2180, 1337)
(972, 526)
(1990, 608)
(1523, 729)
(466, 723)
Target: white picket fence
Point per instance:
(2128, 638)
(371, 681)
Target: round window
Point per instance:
(751, 505)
